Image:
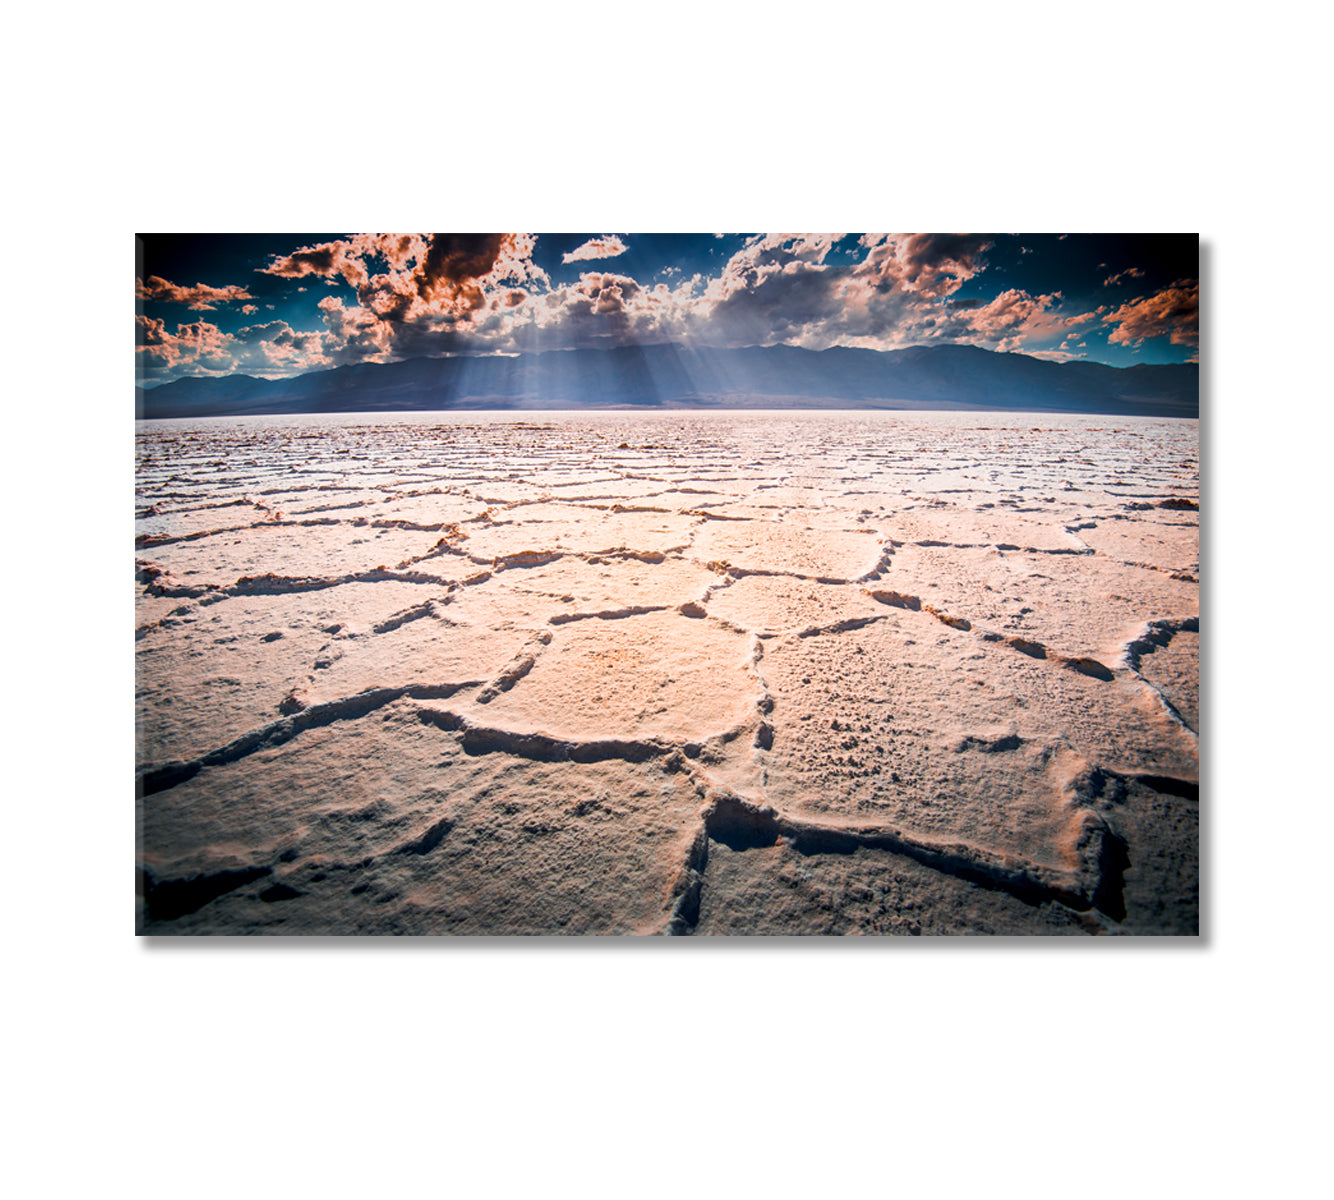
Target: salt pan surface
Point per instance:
(668, 673)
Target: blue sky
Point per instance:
(276, 305)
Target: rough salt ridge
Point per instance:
(714, 673)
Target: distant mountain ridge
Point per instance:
(674, 376)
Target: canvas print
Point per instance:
(667, 584)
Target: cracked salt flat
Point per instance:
(676, 673)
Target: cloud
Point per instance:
(1123, 277)
(1014, 317)
(274, 347)
(930, 265)
(201, 348)
(602, 307)
(1060, 354)
(200, 298)
(197, 344)
(420, 294)
(608, 246)
(407, 277)
(1014, 320)
(354, 334)
(457, 266)
(1173, 313)
(774, 289)
(149, 332)
(782, 288)
(324, 260)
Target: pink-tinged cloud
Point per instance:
(930, 265)
(1013, 321)
(199, 298)
(607, 294)
(402, 251)
(420, 294)
(453, 274)
(440, 279)
(355, 334)
(148, 331)
(324, 260)
(608, 246)
(198, 344)
(1060, 354)
(1123, 277)
(1015, 317)
(275, 348)
(270, 349)
(248, 309)
(1173, 313)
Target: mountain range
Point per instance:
(676, 376)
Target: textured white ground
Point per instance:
(668, 673)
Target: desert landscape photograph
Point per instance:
(623, 708)
(642, 585)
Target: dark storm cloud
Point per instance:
(772, 306)
(426, 338)
(448, 276)
(300, 342)
(455, 261)
(280, 334)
